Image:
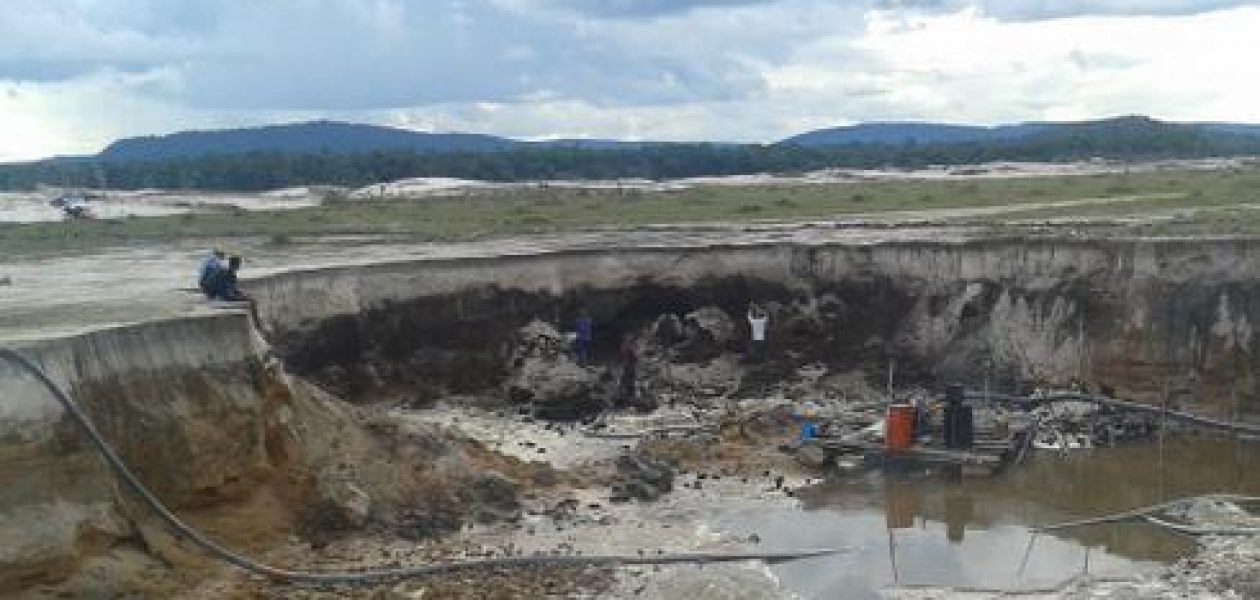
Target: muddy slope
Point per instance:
(205, 416)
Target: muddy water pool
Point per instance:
(923, 528)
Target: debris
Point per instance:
(495, 496)
(641, 478)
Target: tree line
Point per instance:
(271, 170)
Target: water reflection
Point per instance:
(919, 527)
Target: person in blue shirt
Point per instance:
(585, 330)
(211, 265)
(222, 284)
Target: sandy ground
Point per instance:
(444, 186)
(33, 206)
(48, 296)
(25, 207)
(51, 296)
(58, 295)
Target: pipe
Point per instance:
(1196, 530)
(277, 574)
(1143, 511)
(1124, 405)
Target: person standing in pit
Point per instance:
(758, 320)
(585, 330)
(629, 362)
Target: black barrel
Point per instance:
(953, 394)
(959, 426)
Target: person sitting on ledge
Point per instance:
(212, 264)
(222, 283)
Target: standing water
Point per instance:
(922, 528)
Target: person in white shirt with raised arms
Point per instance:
(758, 320)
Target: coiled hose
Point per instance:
(276, 574)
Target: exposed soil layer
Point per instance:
(1147, 320)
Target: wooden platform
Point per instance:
(990, 451)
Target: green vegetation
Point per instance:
(544, 210)
(1122, 139)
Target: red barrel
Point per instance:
(899, 427)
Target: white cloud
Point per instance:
(76, 74)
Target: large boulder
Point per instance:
(341, 503)
(556, 389)
(545, 376)
(494, 497)
(641, 478)
(707, 333)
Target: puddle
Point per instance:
(925, 529)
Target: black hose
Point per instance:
(1144, 511)
(213, 548)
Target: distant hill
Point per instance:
(1236, 128)
(327, 153)
(318, 137)
(330, 137)
(910, 133)
(904, 133)
(326, 137)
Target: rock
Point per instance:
(707, 333)
(495, 497)
(811, 455)
(667, 330)
(341, 503)
(641, 490)
(641, 478)
(550, 380)
(557, 388)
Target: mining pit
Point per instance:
(389, 414)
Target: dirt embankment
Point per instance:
(207, 419)
(1136, 316)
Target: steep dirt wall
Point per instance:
(183, 403)
(1130, 314)
(211, 423)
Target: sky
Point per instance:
(77, 74)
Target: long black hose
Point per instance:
(213, 548)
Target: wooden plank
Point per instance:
(917, 452)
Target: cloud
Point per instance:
(643, 8)
(1033, 10)
(1025, 10)
(360, 54)
(78, 73)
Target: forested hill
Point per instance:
(318, 137)
(501, 159)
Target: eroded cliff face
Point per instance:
(180, 400)
(1134, 315)
(213, 425)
